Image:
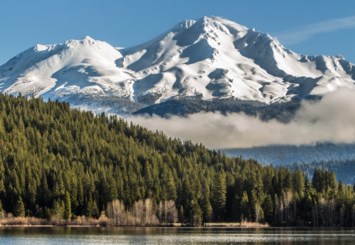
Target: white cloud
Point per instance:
(330, 120)
(305, 33)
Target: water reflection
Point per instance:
(182, 236)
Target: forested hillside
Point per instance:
(339, 158)
(289, 154)
(59, 162)
(344, 170)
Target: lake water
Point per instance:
(183, 236)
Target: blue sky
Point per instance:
(309, 27)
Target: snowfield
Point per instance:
(209, 58)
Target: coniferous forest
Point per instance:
(65, 163)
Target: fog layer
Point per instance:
(331, 119)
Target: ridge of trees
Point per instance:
(60, 162)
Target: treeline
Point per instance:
(283, 112)
(56, 162)
(304, 154)
(343, 169)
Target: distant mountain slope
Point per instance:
(185, 106)
(289, 154)
(339, 158)
(209, 59)
(344, 170)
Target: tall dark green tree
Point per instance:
(218, 198)
(19, 209)
(67, 206)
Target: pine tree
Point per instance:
(171, 188)
(268, 208)
(206, 209)
(19, 209)
(219, 192)
(196, 214)
(245, 208)
(298, 184)
(67, 206)
(92, 210)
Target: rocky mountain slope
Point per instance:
(209, 60)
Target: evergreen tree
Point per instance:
(67, 207)
(206, 209)
(245, 207)
(19, 209)
(219, 192)
(268, 208)
(196, 214)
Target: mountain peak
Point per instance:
(219, 20)
(208, 28)
(206, 23)
(88, 38)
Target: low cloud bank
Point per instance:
(331, 119)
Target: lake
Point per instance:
(183, 236)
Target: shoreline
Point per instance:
(84, 222)
(174, 227)
(105, 222)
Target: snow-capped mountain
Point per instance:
(206, 59)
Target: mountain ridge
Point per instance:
(207, 59)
